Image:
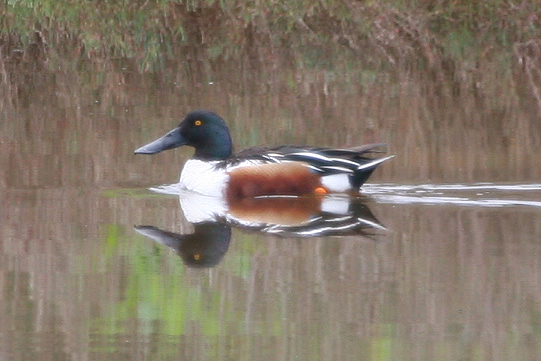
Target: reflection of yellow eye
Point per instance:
(198, 123)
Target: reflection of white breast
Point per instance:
(201, 208)
(203, 177)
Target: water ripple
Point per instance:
(477, 194)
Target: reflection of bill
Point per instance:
(213, 218)
(203, 248)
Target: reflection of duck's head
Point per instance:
(283, 170)
(203, 248)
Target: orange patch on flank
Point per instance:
(292, 178)
(280, 210)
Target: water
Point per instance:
(446, 267)
(477, 194)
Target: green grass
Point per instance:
(155, 31)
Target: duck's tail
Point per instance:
(364, 170)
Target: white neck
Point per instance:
(203, 177)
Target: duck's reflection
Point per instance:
(283, 216)
(205, 247)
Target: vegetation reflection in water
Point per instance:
(167, 306)
(149, 297)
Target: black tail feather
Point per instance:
(358, 178)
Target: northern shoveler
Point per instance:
(286, 170)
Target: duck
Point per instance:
(214, 170)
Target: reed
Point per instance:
(154, 32)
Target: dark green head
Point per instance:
(203, 130)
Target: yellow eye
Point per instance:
(198, 123)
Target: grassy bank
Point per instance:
(461, 51)
(154, 32)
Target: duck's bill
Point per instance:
(173, 139)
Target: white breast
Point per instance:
(338, 183)
(202, 177)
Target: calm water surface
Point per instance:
(456, 275)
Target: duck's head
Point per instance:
(203, 130)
